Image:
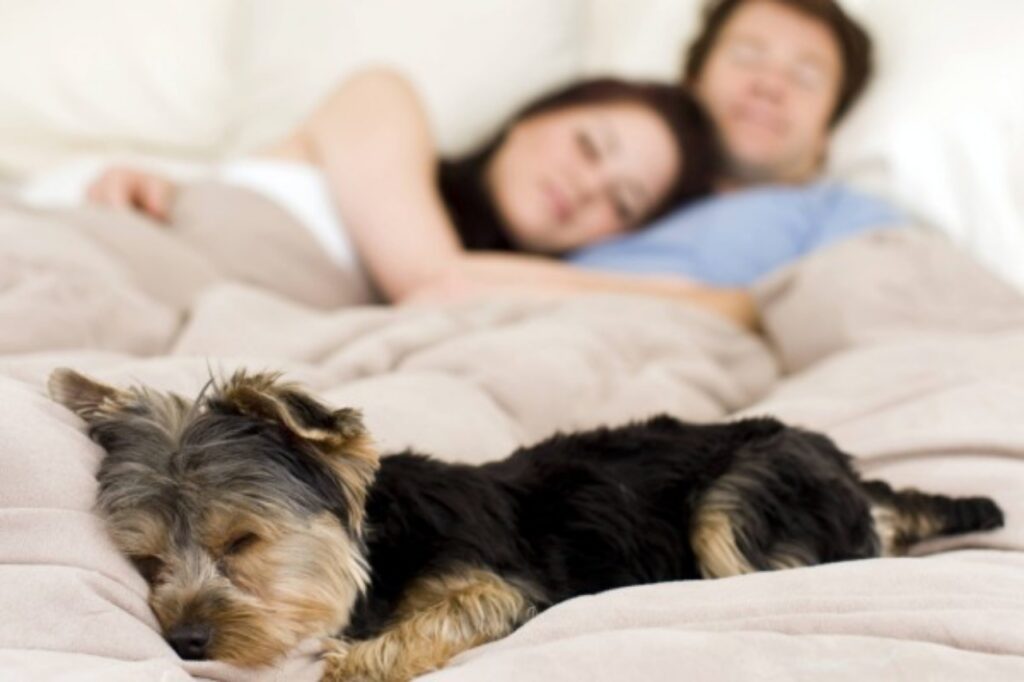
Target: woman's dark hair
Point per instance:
(854, 44)
(462, 180)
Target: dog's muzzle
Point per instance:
(190, 640)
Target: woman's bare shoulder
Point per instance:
(378, 105)
(379, 94)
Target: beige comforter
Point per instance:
(894, 343)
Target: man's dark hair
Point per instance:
(854, 44)
(472, 208)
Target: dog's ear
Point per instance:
(86, 397)
(338, 437)
(266, 397)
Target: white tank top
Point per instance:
(300, 189)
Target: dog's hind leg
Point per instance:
(714, 540)
(904, 517)
(781, 507)
(439, 617)
(721, 542)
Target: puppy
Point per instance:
(260, 517)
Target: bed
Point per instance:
(906, 346)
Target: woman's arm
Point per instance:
(372, 138)
(373, 141)
(479, 274)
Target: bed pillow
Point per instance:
(941, 131)
(641, 38)
(111, 75)
(473, 62)
(196, 80)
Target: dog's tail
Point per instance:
(904, 517)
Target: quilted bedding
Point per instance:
(894, 343)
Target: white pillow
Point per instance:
(110, 75)
(474, 62)
(941, 131)
(640, 38)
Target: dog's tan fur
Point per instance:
(245, 512)
(438, 618)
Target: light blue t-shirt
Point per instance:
(735, 239)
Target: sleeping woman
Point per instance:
(595, 160)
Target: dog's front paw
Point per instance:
(338, 664)
(368, 661)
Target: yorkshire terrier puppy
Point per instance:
(260, 517)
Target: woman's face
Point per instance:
(570, 177)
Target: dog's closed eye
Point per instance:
(240, 544)
(149, 566)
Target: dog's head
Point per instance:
(242, 509)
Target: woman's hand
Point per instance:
(128, 188)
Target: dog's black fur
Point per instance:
(581, 513)
(255, 511)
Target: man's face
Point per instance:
(770, 83)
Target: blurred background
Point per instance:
(189, 82)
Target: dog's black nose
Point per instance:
(190, 640)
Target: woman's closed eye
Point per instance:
(588, 145)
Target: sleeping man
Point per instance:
(776, 76)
